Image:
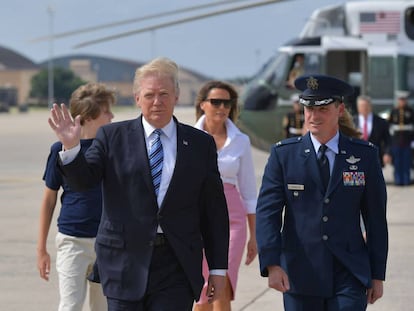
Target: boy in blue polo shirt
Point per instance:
(80, 212)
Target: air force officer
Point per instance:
(314, 190)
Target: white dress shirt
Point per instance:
(235, 164)
(361, 120)
(169, 148)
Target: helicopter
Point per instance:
(368, 44)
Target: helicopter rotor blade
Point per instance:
(132, 20)
(176, 22)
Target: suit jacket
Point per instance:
(303, 228)
(193, 214)
(379, 136)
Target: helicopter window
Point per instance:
(303, 64)
(410, 74)
(261, 93)
(313, 63)
(274, 72)
(406, 67)
(297, 69)
(330, 21)
(409, 22)
(381, 78)
(265, 67)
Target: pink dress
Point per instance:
(237, 172)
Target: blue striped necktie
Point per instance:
(156, 156)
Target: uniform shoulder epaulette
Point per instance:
(288, 141)
(361, 142)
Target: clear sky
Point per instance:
(225, 46)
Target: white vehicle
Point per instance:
(369, 44)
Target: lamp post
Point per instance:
(50, 86)
(153, 47)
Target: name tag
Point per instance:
(295, 187)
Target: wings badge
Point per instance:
(353, 160)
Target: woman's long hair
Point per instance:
(347, 125)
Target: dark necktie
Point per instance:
(156, 156)
(323, 165)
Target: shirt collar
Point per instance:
(232, 129)
(369, 117)
(168, 130)
(332, 144)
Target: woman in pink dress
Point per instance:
(216, 112)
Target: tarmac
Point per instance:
(25, 139)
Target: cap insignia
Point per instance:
(312, 83)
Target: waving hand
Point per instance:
(67, 130)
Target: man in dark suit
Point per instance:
(313, 192)
(153, 230)
(373, 128)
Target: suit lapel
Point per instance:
(139, 148)
(182, 159)
(374, 125)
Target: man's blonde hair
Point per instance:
(159, 66)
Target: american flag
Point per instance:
(380, 22)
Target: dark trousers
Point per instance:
(349, 295)
(168, 288)
(401, 159)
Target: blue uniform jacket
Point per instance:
(302, 229)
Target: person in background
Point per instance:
(298, 69)
(80, 212)
(294, 120)
(373, 128)
(216, 113)
(401, 121)
(163, 199)
(314, 189)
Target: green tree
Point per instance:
(64, 82)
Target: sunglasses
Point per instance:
(218, 101)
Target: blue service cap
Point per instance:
(318, 90)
